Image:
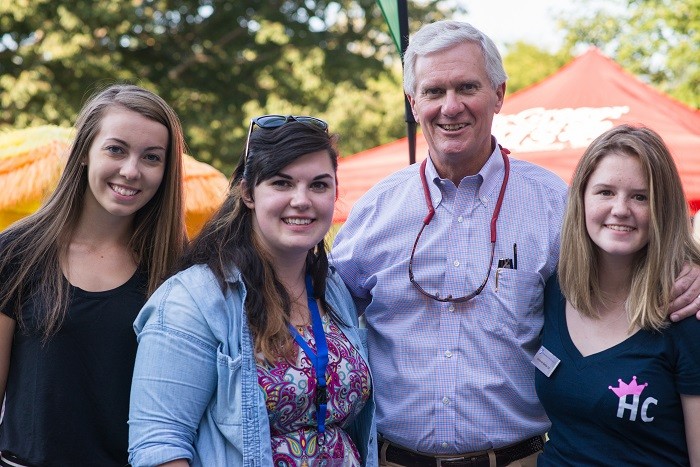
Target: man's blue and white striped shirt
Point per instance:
(453, 378)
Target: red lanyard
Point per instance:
(496, 211)
(429, 217)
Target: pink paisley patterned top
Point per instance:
(290, 389)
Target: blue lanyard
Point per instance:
(319, 358)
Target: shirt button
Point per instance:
(460, 219)
(451, 307)
(444, 444)
(446, 400)
(448, 354)
(456, 263)
(484, 199)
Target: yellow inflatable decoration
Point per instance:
(31, 161)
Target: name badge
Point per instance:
(545, 361)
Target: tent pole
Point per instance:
(410, 121)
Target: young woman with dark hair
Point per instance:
(251, 355)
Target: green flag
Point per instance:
(390, 10)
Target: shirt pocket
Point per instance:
(227, 404)
(519, 295)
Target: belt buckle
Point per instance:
(463, 460)
(440, 460)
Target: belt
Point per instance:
(504, 456)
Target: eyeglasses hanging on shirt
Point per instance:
(429, 217)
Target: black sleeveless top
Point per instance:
(67, 401)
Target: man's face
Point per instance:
(454, 102)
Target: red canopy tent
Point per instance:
(552, 122)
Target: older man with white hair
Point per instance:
(447, 260)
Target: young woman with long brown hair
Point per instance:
(74, 276)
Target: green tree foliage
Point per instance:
(527, 64)
(218, 62)
(380, 107)
(657, 40)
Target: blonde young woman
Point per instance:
(74, 276)
(619, 382)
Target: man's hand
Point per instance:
(685, 296)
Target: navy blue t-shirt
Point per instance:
(620, 406)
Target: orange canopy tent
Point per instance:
(552, 122)
(31, 161)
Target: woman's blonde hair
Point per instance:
(670, 239)
(32, 248)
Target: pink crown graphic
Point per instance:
(624, 389)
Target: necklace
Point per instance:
(301, 311)
(611, 310)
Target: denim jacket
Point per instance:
(195, 392)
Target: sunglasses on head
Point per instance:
(269, 122)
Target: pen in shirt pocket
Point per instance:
(507, 263)
(503, 263)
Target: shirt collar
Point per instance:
(232, 274)
(490, 175)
